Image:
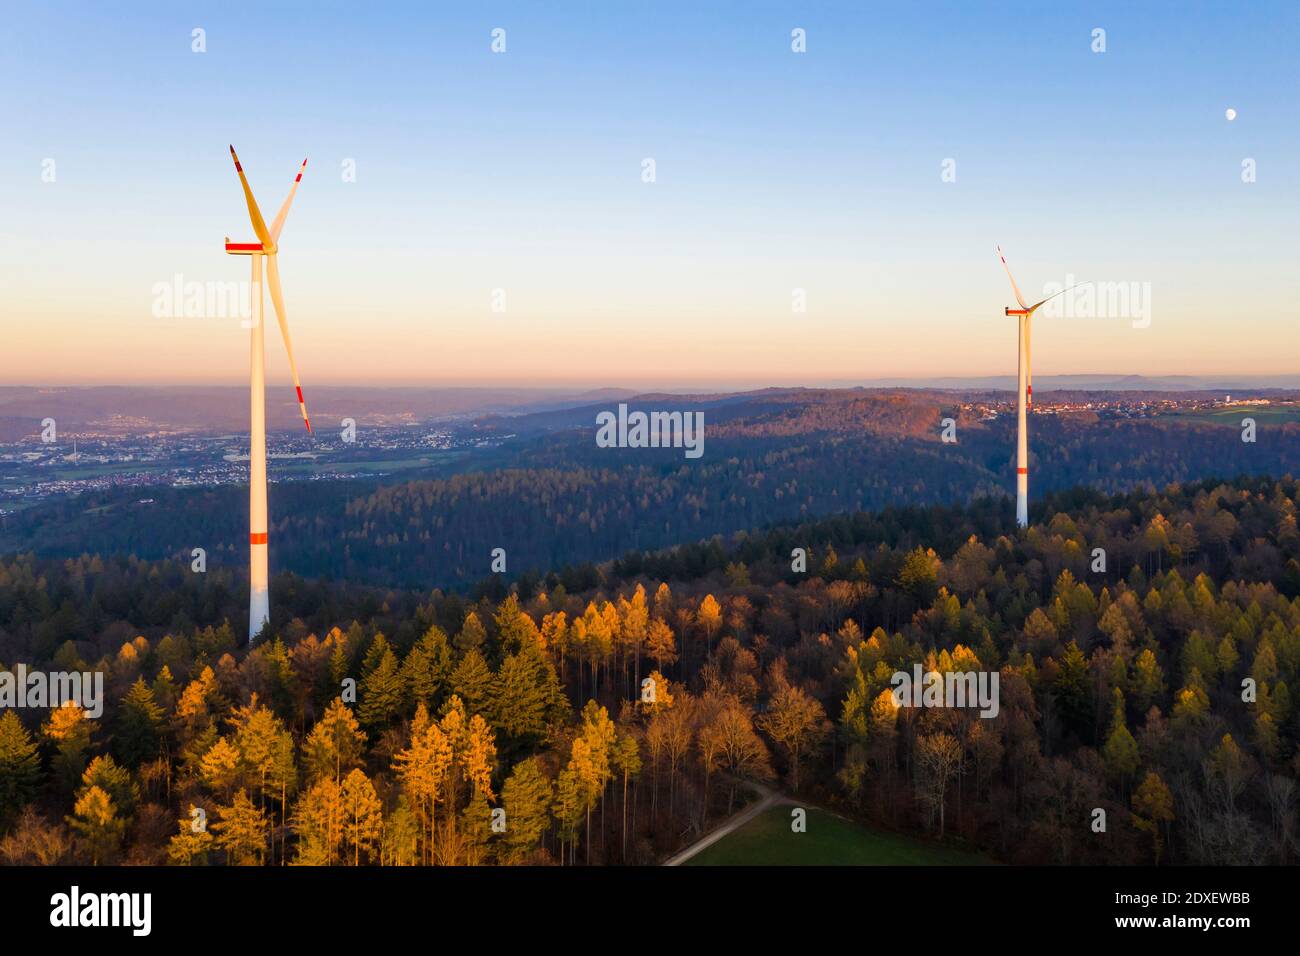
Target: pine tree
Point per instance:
(567, 808)
(139, 725)
(527, 695)
(20, 769)
(220, 767)
(336, 744)
(1153, 807)
(96, 822)
(590, 760)
(709, 619)
(70, 731)
(661, 644)
(374, 654)
(189, 847)
(472, 634)
(423, 768)
(401, 836)
(515, 629)
(1148, 679)
(1121, 750)
(115, 781)
(627, 760)
(165, 691)
(340, 660)
(476, 830)
(363, 820)
(526, 796)
(477, 757)
(418, 683)
(241, 830)
(473, 682)
(1073, 689)
(381, 695)
(318, 823)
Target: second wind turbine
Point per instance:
(1024, 390)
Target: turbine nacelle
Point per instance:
(244, 248)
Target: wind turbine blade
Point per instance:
(1014, 288)
(284, 210)
(255, 214)
(277, 299)
(1053, 296)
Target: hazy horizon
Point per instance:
(1101, 381)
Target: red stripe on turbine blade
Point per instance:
(299, 389)
(1022, 471)
(256, 537)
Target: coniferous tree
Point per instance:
(381, 695)
(20, 769)
(139, 725)
(241, 830)
(97, 825)
(526, 796)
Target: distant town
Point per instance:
(138, 453)
(33, 470)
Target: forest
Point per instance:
(1145, 642)
(552, 498)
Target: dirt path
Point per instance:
(767, 797)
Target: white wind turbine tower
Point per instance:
(259, 597)
(1024, 390)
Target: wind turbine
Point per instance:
(259, 596)
(1024, 390)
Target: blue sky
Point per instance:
(775, 171)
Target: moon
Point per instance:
(1230, 113)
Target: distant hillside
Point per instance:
(136, 409)
(554, 498)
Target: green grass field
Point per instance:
(1233, 414)
(829, 841)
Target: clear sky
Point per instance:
(775, 171)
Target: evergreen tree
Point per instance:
(1121, 750)
(98, 826)
(473, 682)
(526, 796)
(139, 725)
(20, 769)
(381, 694)
(241, 830)
(336, 744)
(363, 820)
